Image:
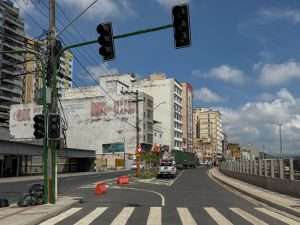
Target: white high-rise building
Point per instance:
(167, 108)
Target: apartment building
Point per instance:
(11, 65)
(187, 117)
(33, 79)
(167, 108)
(207, 133)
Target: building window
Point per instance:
(149, 113)
(149, 126)
(155, 134)
(149, 103)
(160, 135)
(150, 138)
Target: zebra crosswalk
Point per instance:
(186, 217)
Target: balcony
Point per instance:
(18, 83)
(11, 89)
(15, 21)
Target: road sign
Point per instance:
(139, 149)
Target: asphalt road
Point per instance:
(192, 199)
(66, 185)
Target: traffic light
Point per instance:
(181, 26)
(53, 126)
(106, 40)
(39, 126)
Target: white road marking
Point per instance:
(91, 216)
(278, 216)
(60, 217)
(177, 177)
(123, 216)
(139, 189)
(154, 217)
(217, 217)
(186, 217)
(247, 216)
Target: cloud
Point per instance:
(225, 73)
(292, 15)
(256, 122)
(169, 3)
(206, 95)
(103, 8)
(265, 97)
(228, 74)
(276, 74)
(101, 70)
(24, 6)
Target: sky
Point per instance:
(244, 59)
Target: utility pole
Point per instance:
(52, 171)
(280, 139)
(137, 127)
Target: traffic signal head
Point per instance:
(181, 26)
(39, 126)
(106, 40)
(53, 126)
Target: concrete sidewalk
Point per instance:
(30, 178)
(34, 215)
(279, 201)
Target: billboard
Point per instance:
(113, 148)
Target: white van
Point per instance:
(167, 168)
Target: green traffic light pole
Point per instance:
(54, 91)
(45, 112)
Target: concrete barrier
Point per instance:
(284, 186)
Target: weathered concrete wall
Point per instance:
(284, 186)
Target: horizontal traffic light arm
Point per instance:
(115, 37)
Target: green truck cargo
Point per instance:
(184, 159)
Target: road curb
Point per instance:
(35, 221)
(263, 200)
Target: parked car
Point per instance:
(167, 168)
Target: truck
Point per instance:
(184, 159)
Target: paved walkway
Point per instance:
(274, 199)
(35, 214)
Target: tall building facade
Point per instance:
(33, 81)
(207, 133)
(11, 65)
(167, 98)
(187, 117)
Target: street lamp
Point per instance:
(164, 102)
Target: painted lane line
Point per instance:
(278, 216)
(60, 217)
(247, 216)
(123, 216)
(88, 219)
(154, 217)
(173, 181)
(139, 189)
(186, 217)
(217, 217)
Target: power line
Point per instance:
(31, 17)
(77, 17)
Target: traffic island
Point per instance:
(279, 201)
(34, 215)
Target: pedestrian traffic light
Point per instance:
(39, 126)
(53, 126)
(181, 26)
(106, 40)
